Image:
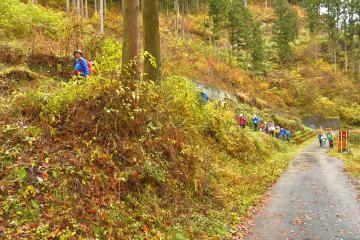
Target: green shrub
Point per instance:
(13, 52)
(166, 163)
(288, 124)
(351, 114)
(180, 96)
(354, 138)
(21, 20)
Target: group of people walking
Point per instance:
(266, 127)
(326, 140)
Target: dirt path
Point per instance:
(313, 200)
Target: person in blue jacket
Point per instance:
(256, 121)
(283, 133)
(81, 66)
(204, 97)
(320, 137)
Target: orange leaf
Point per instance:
(91, 211)
(44, 175)
(34, 225)
(146, 229)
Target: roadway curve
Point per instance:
(313, 200)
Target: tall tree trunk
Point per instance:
(358, 58)
(82, 8)
(131, 32)
(346, 56)
(86, 9)
(74, 4)
(101, 16)
(151, 37)
(104, 9)
(67, 7)
(96, 6)
(345, 27)
(78, 7)
(187, 15)
(335, 60)
(352, 55)
(176, 5)
(245, 3)
(183, 19)
(359, 69)
(167, 10)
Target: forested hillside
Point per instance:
(133, 151)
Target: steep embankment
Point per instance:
(98, 158)
(106, 159)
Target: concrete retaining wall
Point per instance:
(324, 122)
(216, 94)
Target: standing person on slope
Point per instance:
(262, 126)
(272, 129)
(256, 121)
(283, 133)
(242, 119)
(277, 132)
(81, 65)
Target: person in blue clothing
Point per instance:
(204, 97)
(277, 132)
(288, 135)
(283, 133)
(256, 121)
(81, 65)
(320, 137)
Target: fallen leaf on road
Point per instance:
(297, 221)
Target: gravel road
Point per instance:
(313, 200)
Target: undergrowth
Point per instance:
(104, 158)
(107, 159)
(351, 159)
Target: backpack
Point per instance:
(90, 64)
